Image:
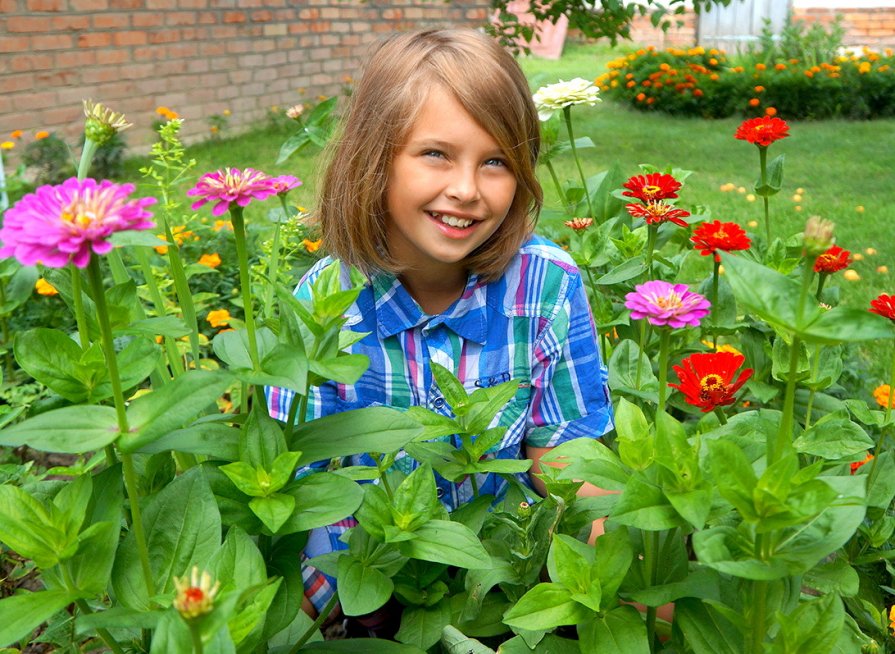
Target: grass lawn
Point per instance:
(841, 166)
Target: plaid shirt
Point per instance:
(532, 325)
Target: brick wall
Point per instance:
(197, 57)
(874, 27)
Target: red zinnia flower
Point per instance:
(884, 305)
(762, 131)
(711, 237)
(707, 378)
(579, 223)
(658, 212)
(654, 186)
(833, 260)
(855, 465)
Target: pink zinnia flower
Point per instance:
(230, 185)
(59, 224)
(663, 303)
(285, 183)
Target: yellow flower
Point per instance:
(311, 246)
(218, 318)
(870, 251)
(195, 597)
(222, 224)
(857, 256)
(226, 112)
(892, 618)
(883, 395)
(212, 260)
(752, 223)
(851, 275)
(797, 197)
(7, 145)
(859, 208)
(882, 269)
(722, 348)
(750, 197)
(161, 249)
(43, 287)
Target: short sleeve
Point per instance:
(569, 390)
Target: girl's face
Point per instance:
(449, 189)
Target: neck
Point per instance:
(434, 292)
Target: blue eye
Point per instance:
(433, 153)
(495, 161)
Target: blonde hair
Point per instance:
(486, 81)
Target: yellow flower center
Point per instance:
(670, 301)
(651, 190)
(711, 382)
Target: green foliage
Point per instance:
(50, 159)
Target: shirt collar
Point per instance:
(397, 311)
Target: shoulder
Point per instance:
(537, 281)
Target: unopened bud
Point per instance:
(818, 236)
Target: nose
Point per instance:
(463, 185)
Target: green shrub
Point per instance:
(699, 82)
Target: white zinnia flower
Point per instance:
(553, 97)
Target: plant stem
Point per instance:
(567, 115)
(78, 305)
(821, 279)
(652, 232)
(650, 563)
(245, 282)
(158, 301)
(716, 275)
(779, 446)
(559, 191)
(87, 154)
(196, 636)
(664, 338)
(321, 617)
(273, 266)
(763, 165)
(758, 630)
(888, 413)
(106, 637)
(815, 365)
(182, 290)
(721, 417)
(640, 345)
(94, 275)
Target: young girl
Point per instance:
(431, 192)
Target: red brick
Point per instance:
(161, 4)
(111, 21)
(197, 66)
(30, 62)
(13, 83)
(20, 24)
(135, 37)
(20, 44)
(148, 53)
(63, 23)
(34, 100)
(63, 114)
(9, 7)
(99, 75)
(239, 46)
(183, 50)
(207, 18)
(94, 40)
(51, 42)
(66, 61)
(224, 32)
(234, 17)
(147, 19)
(263, 16)
(126, 4)
(88, 5)
(179, 18)
(309, 14)
(192, 4)
(163, 36)
(194, 33)
(46, 5)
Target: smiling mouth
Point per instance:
(453, 221)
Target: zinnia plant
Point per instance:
(652, 187)
(58, 225)
(666, 304)
(713, 237)
(762, 132)
(709, 380)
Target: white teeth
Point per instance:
(451, 220)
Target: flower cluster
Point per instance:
(58, 225)
(652, 190)
(554, 97)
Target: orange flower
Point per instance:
(892, 618)
(222, 224)
(641, 97)
(43, 287)
(212, 260)
(166, 113)
(857, 464)
(579, 224)
(311, 246)
(770, 111)
(218, 318)
(759, 89)
(16, 134)
(754, 102)
(760, 67)
(42, 134)
(883, 395)
(780, 66)
(161, 249)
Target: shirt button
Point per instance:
(438, 403)
(439, 492)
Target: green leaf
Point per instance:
(571, 564)
(450, 387)
(728, 551)
(589, 460)
(834, 437)
(545, 607)
(844, 324)
(628, 270)
(246, 478)
(282, 469)
(70, 430)
(322, 499)
(764, 292)
(52, 358)
(623, 369)
(91, 567)
(22, 614)
(620, 631)
(415, 499)
(172, 406)
(273, 510)
(365, 645)
(182, 525)
(371, 429)
(614, 556)
(163, 326)
(454, 641)
(362, 589)
(485, 403)
(422, 626)
(263, 440)
(773, 178)
(214, 439)
(238, 563)
(443, 541)
(434, 424)
(17, 286)
(245, 626)
(643, 505)
(33, 530)
(232, 347)
(814, 627)
(734, 477)
(705, 629)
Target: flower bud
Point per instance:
(870, 648)
(818, 236)
(195, 597)
(102, 123)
